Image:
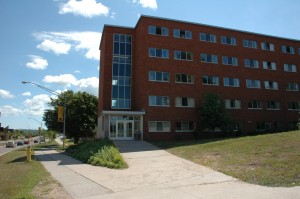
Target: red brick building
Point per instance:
(153, 78)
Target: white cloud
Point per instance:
(5, 94)
(9, 110)
(113, 15)
(36, 105)
(77, 71)
(26, 94)
(152, 4)
(63, 80)
(86, 8)
(37, 63)
(81, 41)
(89, 85)
(57, 48)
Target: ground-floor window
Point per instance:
(159, 126)
(263, 126)
(184, 126)
(238, 126)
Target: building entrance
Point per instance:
(124, 130)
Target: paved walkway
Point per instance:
(152, 173)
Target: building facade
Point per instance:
(153, 78)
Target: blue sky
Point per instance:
(55, 42)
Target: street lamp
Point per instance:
(57, 94)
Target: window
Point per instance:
(273, 105)
(184, 102)
(263, 126)
(252, 83)
(251, 63)
(155, 30)
(288, 49)
(183, 55)
(210, 80)
(271, 85)
(121, 72)
(230, 61)
(159, 101)
(290, 68)
(292, 87)
(249, 43)
(299, 51)
(184, 78)
(159, 126)
(267, 46)
(158, 76)
(159, 53)
(254, 104)
(185, 126)
(237, 126)
(269, 65)
(209, 58)
(233, 82)
(232, 104)
(294, 106)
(182, 34)
(228, 40)
(208, 37)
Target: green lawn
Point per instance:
(270, 160)
(18, 178)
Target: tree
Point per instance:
(213, 114)
(81, 111)
(298, 124)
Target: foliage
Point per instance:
(50, 135)
(271, 159)
(107, 156)
(98, 153)
(299, 122)
(17, 134)
(81, 114)
(213, 114)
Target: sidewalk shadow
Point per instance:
(140, 146)
(134, 146)
(61, 157)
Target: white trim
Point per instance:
(123, 113)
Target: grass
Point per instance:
(98, 153)
(18, 177)
(270, 160)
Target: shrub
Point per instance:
(107, 156)
(98, 153)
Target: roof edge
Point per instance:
(212, 26)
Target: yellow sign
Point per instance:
(60, 115)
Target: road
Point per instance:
(4, 150)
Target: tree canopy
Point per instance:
(213, 114)
(81, 112)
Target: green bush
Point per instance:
(107, 156)
(98, 153)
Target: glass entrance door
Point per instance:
(125, 130)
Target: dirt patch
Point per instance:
(50, 189)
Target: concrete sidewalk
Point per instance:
(152, 173)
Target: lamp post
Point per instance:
(40, 127)
(57, 94)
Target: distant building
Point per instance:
(153, 78)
